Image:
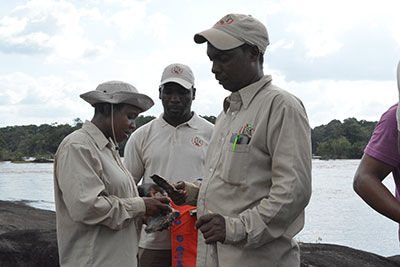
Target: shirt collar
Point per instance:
(97, 135)
(193, 122)
(245, 95)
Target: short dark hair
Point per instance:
(245, 46)
(99, 107)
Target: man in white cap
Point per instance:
(381, 157)
(172, 146)
(258, 181)
(98, 208)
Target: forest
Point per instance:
(335, 140)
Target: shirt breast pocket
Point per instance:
(235, 164)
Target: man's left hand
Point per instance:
(212, 227)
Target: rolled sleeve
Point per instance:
(235, 230)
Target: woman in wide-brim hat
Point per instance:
(98, 208)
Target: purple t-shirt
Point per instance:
(383, 144)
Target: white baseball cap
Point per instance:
(178, 73)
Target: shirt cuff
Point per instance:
(137, 206)
(235, 230)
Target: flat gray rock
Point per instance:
(28, 239)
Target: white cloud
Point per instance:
(322, 51)
(130, 19)
(159, 25)
(321, 26)
(326, 100)
(322, 46)
(50, 27)
(45, 99)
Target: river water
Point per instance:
(335, 214)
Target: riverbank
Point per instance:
(28, 239)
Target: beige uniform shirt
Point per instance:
(97, 203)
(175, 153)
(261, 184)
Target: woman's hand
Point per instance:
(156, 205)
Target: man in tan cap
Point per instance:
(258, 181)
(98, 208)
(173, 146)
(381, 157)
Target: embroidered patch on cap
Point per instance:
(225, 20)
(197, 141)
(176, 70)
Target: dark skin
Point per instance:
(234, 69)
(368, 185)
(124, 125)
(177, 103)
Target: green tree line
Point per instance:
(336, 140)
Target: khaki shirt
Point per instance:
(175, 153)
(261, 184)
(97, 203)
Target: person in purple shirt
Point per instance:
(381, 157)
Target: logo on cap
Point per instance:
(176, 70)
(225, 20)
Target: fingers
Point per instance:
(163, 204)
(180, 185)
(203, 220)
(212, 226)
(154, 205)
(164, 207)
(179, 198)
(163, 199)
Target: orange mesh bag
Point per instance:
(184, 238)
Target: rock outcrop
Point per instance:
(27, 236)
(28, 239)
(328, 255)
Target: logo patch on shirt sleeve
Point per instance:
(197, 141)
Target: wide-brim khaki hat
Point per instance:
(117, 92)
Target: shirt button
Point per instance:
(233, 113)
(222, 139)
(211, 169)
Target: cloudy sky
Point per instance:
(339, 57)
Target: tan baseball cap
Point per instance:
(233, 30)
(178, 73)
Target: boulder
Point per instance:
(28, 239)
(328, 255)
(29, 248)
